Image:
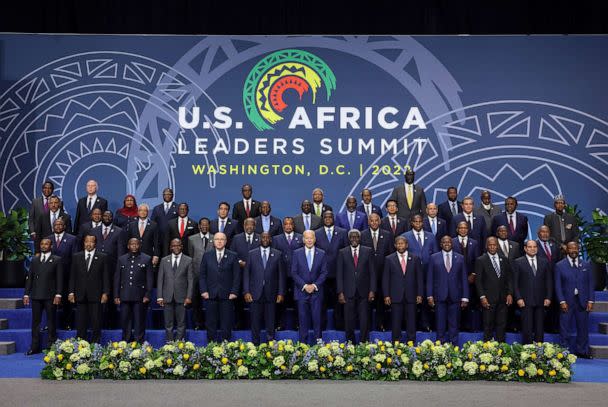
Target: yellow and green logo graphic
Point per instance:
(272, 76)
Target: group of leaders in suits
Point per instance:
(419, 259)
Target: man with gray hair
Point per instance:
(319, 207)
(563, 226)
(487, 210)
(86, 205)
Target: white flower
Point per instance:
(571, 358)
(149, 365)
(190, 346)
(405, 359)
(225, 369)
(365, 360)
(122, 344)
(417, 368)
(242, 371)
(168, 348)
(339, 362)
(217, 351)
(379, 357)
(74, 357)
(492, 368)
(394, 374)
(289, 348)
(82, 368)
(178, 370)
(323, 352)
(124, 366)
(135, 354)
(113, 353)
(531, 370)
(252, 353)
(294, 369)
(470, 368)
(313, 366)
(565, 372)
(485, 358)
(67, 347)
(278, 361)
(266, 373)
(441, 371)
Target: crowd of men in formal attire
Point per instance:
(445, 267)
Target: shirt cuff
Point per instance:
(482, 297)
(58, 295)
(70, 294)
(464, 299)
(591, 302)
(303, 287)
(161, 299)
(316, 288)
(562, 302)
(26, 296)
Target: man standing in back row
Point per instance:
(410, 197)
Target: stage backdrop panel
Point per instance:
(518, 115)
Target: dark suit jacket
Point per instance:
(66, 250)
(478, 232)
(441, 224)
(429, 246)
(553, 221)
(375, 209)
(220, 280)
(301, 275)
(359, 224)
(402, 287)
(279, 242)
(239, 214)
(338, 241)
(298, 223)
(240, 246)
(262, 282)
(351, 280)
(402, 226)
(44, 228)
(83, 215)
(532, 289)
(276, 226)
(88, 286)
(113, 246)
(150, 241)
(231, 228)
(445, 211)
(567, 278)
(487, 282)
(418, 202)
(134, 277)
(191, 228)
(473, 251)
(554, 252)
(385, 247)
(521, 227)
(122, 221)
(36, 210)
(324, 208)
(44, 280)
(85, 229)
(442, 285)
(162, 219)
(514, 251)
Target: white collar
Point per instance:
(444, 252)
(530, 258)
(93, 198)
(92, 252)
(402, 255)
(60, 235)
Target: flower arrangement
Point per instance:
(285, 359)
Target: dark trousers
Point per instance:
(219, 312)
(382, 315)
(356, 307)
(281, 309)
(51, 315)
(197, 306)
(309, 308)
(88, 312)
(425, 319)
(133, 314)
(262, 309)
(532, 324)
(174, 313)
(447, 315)
(495, 319)
(331, 302)
(472, 315)
(398, 312)
(579, 314)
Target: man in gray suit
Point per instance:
(306, 220)
(40, 206)
(175, 289)
(410, 197)
(488, 210)
(563, 226)
(198, 244)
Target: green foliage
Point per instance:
(596, 239)
(14, 235)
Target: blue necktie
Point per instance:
(222, 225)
(329, 235)
(306, 223)
(434, 226)
(309, 259)
(264, 258)
(351, 221)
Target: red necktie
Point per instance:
(46, 204)
(355, 258)
(247, 208)
(181, 228)
(58, 241)
(511, 225)
(393, 225)
(403, 265)
(547, 251)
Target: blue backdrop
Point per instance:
(517, 115)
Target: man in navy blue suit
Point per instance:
(367, 206)
(533, 289)
(264, 286)
(133, 281)
(393, 223)
(356, 285)
(65, 246)
(477, 224)
(451, 207)
(331, 239)
(286, 243)
(434, 224)
(164, 212)
(422, 244)
(548, 249)
(87, 204)
(147, 232)
(516, 223)
(223, 223)
(447, 290)
(381, 243)
(574, 287)
(351, 218)
(220, 281)
(470, 250)
(87, 227)
(267, 223)
(402, 285)
(309, 271)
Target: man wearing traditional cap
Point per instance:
(563, 226)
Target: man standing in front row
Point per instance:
(175, 288)
(220, 281)
(133, 282)
(309, 271)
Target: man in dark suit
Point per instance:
(550, 251)
(89, 288)
(447, 290)
(264, 286)
(64, 245)
(227, 226)
(267, 223)
(133, 281)
(431, 223)
(516, 223)
(43, 290)
(494, 285)
(487, 210)
(246, 207)
(198, 244)
(367, 206)
(318, 206)
(306, 220)
(470, 250)
(87, 204)
(331, 239)
(351, 218)
(356, 285)
(563, 226)
(533, 289)
(381, 243)
(40, 206)
(146, 231)
(87, 227)
(164, 212)
(175, 288)
(286, 243)
(393, 223)
(309, 271)
(508, 248)
(477, 224)
(451, 207)
(180, 228)
(410, 197)
(220, 280)
(403, 285)
(575, 293)
(44, 224)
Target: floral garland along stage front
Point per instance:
(539, 362)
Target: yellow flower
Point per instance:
(485, 345)
(322, 369)
(341, 346)
(389, 361)
(504, 368)
(169, 362)
(196, 366)
(426, 366)
(560, 355)
(115, 345)
(60, 357)
(119, 351)
(68, 366)
(47, 359)
(521, 372)
(133, 345)
(268, 355)
(417, 350)
(410, 343)
(470, 356)
(111, 366)
(330, 358)
(224, 361)
(142, 370)
(540, 372)
(378, 366)
(482, 368)
(382, 348)
(449, 365)
(283, 367)
(242, 347)
(437, 342)
(186, 356)
(149, 349)
(239, 362)
(499, 352)
(181, 345)
(380, 343)
(533, 356)
(271, 344)
(552, 373)
(281, 348)
(456, 348)
(349, 368)
(399, 352)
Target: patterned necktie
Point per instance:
(547, 251)
(448, 262)
(496, 266)
(533, 266)
(355, 258)
(264, 258)
(403, 263)
(53, 218)
(375, 240)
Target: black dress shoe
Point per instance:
(31, 352)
